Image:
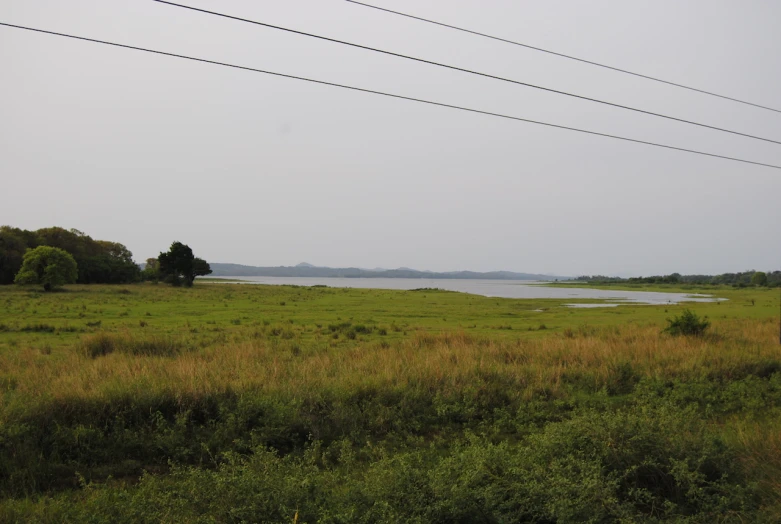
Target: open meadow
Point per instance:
(244, 403)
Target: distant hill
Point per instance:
(308, 270)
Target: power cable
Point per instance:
(562, 55)
(455, 68)
(391, 95)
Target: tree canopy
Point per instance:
(49, 266)
(179, 266)
(98, 261)
(759, 278)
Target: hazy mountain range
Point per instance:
(308, 270)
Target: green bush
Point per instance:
(653, 465)
(687, 324)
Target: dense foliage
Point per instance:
(98, 261)
(50, 267)
(687, 324)
(179, 266)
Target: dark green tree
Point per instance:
(201, 268)
(759, 278)
(49, 266)
(13, 244)
(115, 263)
(99, 261)
(180, 267)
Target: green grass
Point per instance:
(239, 308)
(253, 403)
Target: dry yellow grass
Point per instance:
(444, 361)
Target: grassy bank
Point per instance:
(254, 403)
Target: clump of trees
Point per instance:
(50, 267)
(55, 256)
(178, 266)
(97, 261)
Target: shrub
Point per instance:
(688, 324)
(102, 344)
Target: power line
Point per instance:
(455, 68)
(391, 95)
(562, 55)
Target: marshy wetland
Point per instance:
(489, 288)
(238, 403)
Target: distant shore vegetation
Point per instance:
(742, 279)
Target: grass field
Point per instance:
(234, 403)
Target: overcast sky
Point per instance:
(252, 169)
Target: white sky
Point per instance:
(252, 169)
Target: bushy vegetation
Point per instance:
(98, 261)
(220, 404)
(178, 266)
(688, 324)
(50, 267)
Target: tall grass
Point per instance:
(445, 362)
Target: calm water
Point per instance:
(491, 288)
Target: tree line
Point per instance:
(742, 279)
(55, 256)
(97, 261)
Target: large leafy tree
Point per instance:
(180, 267)
(49, 266)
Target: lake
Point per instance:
(491, 288)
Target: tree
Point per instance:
(151, 271)
(201, 268)
(759, 278)
(116, 262)
(99, 261)
(13, 244)
(50, 266)
(180, 267)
